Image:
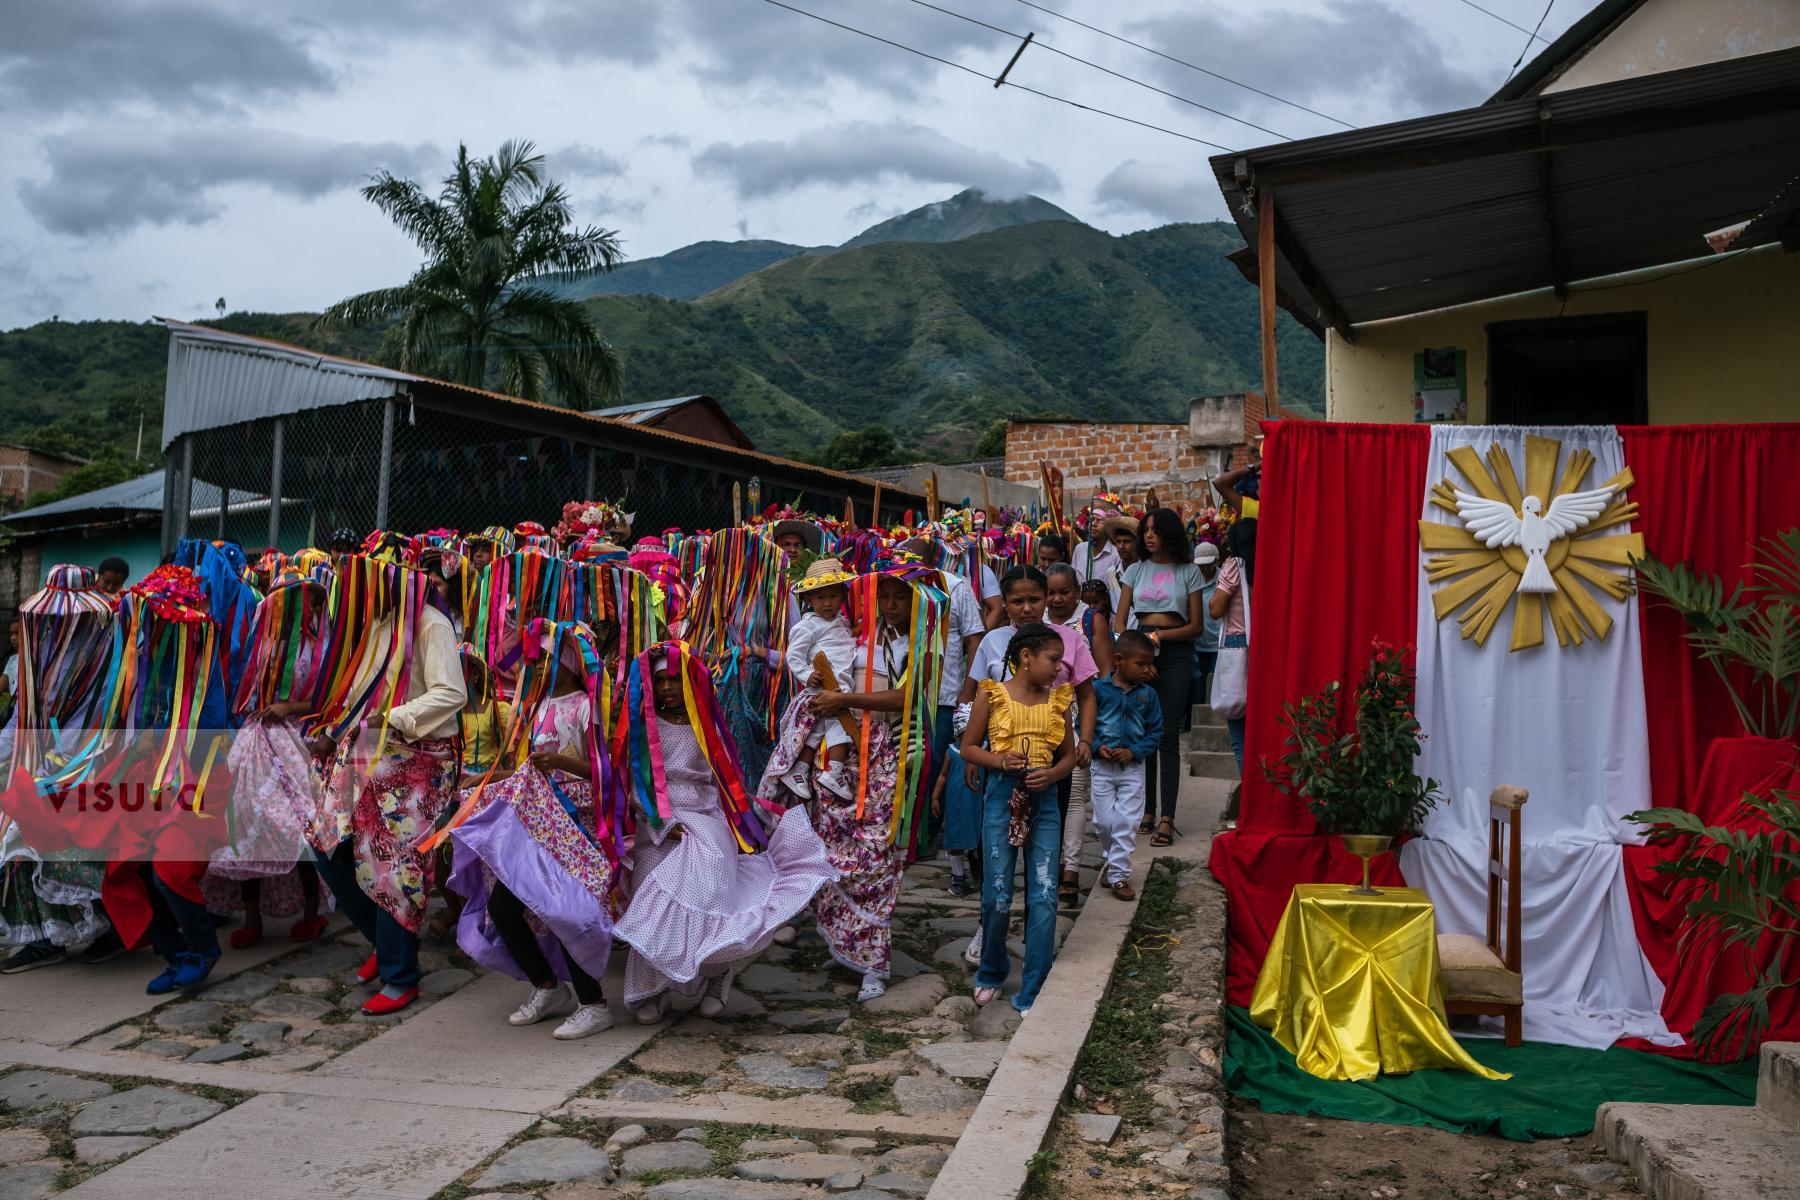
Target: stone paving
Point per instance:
(269, 1082)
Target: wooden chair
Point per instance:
(1482, 977)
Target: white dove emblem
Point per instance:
(1533, 529)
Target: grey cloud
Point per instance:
(91, 54)
(584, 161)
(864, 152)
(32, 292)
(670, 141)
(611, 205)
(525, 31)
(112, 179)
(1171, 193)
(1354, 49)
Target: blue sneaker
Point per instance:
(195, 967)
(163, 984)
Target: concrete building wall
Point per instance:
(1666, 35)
(1721, 344)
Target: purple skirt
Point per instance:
(526, 839)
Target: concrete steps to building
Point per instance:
(1714, 1152)
(1208, 747)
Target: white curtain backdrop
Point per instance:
(1567, 724)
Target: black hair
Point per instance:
(1024, 572)
(1240, 542)
(1034, 636)
(1057, 571)
(1056, 542)
(1169, 531)
(1134, 641)
(115, 564)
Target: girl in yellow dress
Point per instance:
(1025, 724)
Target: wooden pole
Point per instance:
(737, 504)
(1265, 282)
(875, 511)
(987, 505)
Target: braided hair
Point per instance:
(1035, 636)
(1025, 573)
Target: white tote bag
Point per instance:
(1232, 670)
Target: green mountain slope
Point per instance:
(964, 215)
(938, 340)
(683, 274)
(934, 340)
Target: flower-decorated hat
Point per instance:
(823, 573)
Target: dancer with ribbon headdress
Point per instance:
(709, 888)
(50, 902)
(538, 864)
(393, 698)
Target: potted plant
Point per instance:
(1742, 879)
(1359, 783)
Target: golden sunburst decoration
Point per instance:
(1480, 579)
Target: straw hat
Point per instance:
(823, 573)
(810, 535)
(1117, 522)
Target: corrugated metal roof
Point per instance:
(635, 412)
(143, 495)
(1451, 209)
(218, 378)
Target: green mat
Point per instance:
(1553, 1092)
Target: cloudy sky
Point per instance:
(158, 156)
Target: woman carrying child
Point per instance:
(1025, 725)
(708, 889)
(533, 866)
(823, 629)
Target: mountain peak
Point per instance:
(965, 214)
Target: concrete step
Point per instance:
(1778, 1082)
(1203, 715)
(1701, 1151)
(1208, 737)
(1212, 764)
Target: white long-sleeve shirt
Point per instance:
(435, 691)
(812, 635)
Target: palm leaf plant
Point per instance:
(472, 312)
(1746, 881)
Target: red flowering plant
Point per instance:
(1360, 780)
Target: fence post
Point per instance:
(593, 457)
(275, 485)
(184, 493)
(171, 474)
(387, 463)
(224, 497)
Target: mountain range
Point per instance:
(935, 323)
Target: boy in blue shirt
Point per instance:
(1127, 730)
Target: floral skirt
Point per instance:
(855, 914)
(387, 809)
(273, 797)
(524, 838)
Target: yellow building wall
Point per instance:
(1723, 343)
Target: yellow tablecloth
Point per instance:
(1351, 985)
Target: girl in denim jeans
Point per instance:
(1025, 723)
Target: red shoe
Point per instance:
(369, 970)
(248, 936)
(308, 931)
(379, 1005)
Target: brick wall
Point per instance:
(1255, 412)
(25, 472)
(1134, 457)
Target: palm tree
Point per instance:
(471, 312)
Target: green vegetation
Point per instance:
(473, 312)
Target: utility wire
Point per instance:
(1184, 63)
(1490, 12)
(1534, 32)
(1217, 112)
(1188, 137)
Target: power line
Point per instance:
(1217, 112)
(1534, 32)
(1490, 12)
(1184, 63)
(1187, 137)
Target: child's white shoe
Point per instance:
(787, 935)
(799, 780)
(873, 986)
(836, 780)
(651, 1011)
(718, 991)
(972, 955)
(586, 1020)
(543, 1002)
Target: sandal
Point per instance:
(1165, 832)
(1146, 825)
(1068, 894)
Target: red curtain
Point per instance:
(1337, 558)
(1707, 495)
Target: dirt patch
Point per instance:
(1273, 1156)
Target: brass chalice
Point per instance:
(1365, 846)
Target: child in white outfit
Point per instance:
(1127, 730)
(823, 628)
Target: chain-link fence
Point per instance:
(295, 478)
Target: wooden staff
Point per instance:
(829, 682)
(737, 504)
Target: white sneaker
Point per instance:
(651, 1011)
(799, 780)
(787, 935)
(718, 991)
(972, 955)
(544, 1002)
(873, 987)
(836, 780)
(588, 1019)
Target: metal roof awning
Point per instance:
(1520, 195)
